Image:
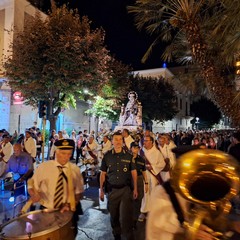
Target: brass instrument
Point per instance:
(209, 179)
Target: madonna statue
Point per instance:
(131, 115)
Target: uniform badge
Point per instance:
(125, 169)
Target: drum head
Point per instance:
(34, 224)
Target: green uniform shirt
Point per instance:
(118, 167)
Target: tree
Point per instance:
(53, 60)
(206, 111)
(112, 93)
(198, 33)
(157, 97)
(102, 108)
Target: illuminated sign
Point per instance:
(18, 98)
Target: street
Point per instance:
(94, 224)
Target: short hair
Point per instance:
(151, 138)
(117, 134)
(126, 130)
(106, 136)
(237, 135)
(18, 145)
(162, 136)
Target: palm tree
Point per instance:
(198, 32)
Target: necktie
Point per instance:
(58, 196)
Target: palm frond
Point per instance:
(149, 51)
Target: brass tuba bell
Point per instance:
(209, 179)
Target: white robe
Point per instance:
(156, 159)
(162, 222)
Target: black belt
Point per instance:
(118, 186)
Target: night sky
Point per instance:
(123, 40)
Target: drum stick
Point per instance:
(26, 206)
(30, 202)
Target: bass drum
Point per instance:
(39, 225)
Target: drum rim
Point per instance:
(37, 234)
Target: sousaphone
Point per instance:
(208, 179)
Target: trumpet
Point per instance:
(209, 179)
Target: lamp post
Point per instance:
(197, 122)
(89, 116)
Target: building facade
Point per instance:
(182, 120)
(16, 116)
(13, 15)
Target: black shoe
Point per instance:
(135, 224)
(117, 237)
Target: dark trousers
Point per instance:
(137, 202)
(120, 206)
(79, 154)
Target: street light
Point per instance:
(89, 115)
(197, 122)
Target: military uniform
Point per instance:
(118, 167)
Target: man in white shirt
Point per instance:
(163, 222)
(169, 210)
(46, 178)
(65, 134)
(154, 164)
(6, 150)
(106, 145)
(104, 148)
(29, 145)
(90, 150)
(127, 139)
(167, 154)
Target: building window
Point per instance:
(180, 104)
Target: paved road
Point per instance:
(94, 224)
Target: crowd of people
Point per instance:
(134, 172)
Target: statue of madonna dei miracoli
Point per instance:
(131, 115)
